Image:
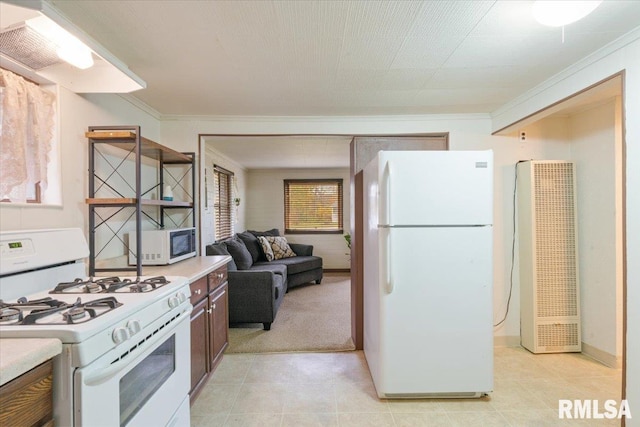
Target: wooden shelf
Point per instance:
(148, 148)
(132, 201)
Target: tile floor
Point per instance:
(335, 389)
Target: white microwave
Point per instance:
(161, 247)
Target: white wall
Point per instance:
(76, 113)
(623, 54)
(595, 149)
(265, 210)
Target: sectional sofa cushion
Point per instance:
(252, 244)
(297, 264)
(272, 232)
(240, 253)
(221, 249)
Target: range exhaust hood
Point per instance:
(41, 44)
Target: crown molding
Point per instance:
(141, 105)
(333, 119)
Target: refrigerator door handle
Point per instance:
(389, 276)
(386, 176)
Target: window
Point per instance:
(313, 206)
(27, 140)
(222, 204)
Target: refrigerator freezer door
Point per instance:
(435, 187)
(436, 334)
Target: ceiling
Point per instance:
(336, 58)
(284, 151)
(290, 58)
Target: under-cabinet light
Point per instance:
(68, 47)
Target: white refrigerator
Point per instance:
(428, 274)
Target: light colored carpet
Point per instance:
(311, 318)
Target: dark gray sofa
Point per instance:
(257, 286)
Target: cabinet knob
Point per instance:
(213, 306)
(197, 292)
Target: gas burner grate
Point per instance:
(110, 285)
(149, 284)
(25, 312)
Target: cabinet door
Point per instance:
(199, 341)
(28, 399)
(218, 324)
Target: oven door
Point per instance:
(146, 385)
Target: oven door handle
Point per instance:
(105, 374)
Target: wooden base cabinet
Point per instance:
(28, 399)
(209, 327)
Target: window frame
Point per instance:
(333, 181)
(218, 205)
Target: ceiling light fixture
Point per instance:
(558, 13)
(68, 47)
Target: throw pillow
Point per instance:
(252, 244)
(239, 253)
(280, 247)
(266, 247)
(220, 249)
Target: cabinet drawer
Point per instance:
(198, 290)
(217, 277)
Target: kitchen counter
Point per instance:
(191, 268)
(20, 355)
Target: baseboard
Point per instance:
(506, 341)
(336, 270)
(602, 356)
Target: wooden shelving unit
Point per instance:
(133, 148)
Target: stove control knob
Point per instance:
(120, 335)
(174, 302)
(181, 297)
(134, 327)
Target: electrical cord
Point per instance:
(513, 247)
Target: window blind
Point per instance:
(313, 206)
(222, 204)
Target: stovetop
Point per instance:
(110, 285)
(90, 316)
(74, 314)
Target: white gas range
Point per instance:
(126, 340)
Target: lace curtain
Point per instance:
(26, 136)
